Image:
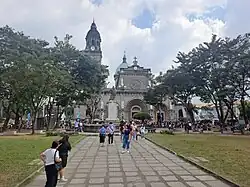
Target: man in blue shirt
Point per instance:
(102, 134)
(111, 130)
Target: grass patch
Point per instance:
(228, 155)
(16, 152)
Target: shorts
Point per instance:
(64, 160)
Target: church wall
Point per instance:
(134, 82)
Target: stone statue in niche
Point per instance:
(112, 94)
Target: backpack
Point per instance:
(103, 131)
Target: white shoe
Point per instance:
(128, 151)
(123, 151)
(63, 180)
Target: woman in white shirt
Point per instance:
(49, 157)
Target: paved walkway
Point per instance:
(146, 165)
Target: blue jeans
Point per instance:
(126, 142)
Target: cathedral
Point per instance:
(125, 99)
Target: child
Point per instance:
(102, 134)
(49, 158)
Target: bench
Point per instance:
(152, 130)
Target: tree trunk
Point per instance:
(17, 120)
(33, 122)
(21, 125)
(57, 117)
(243, 106)
(6, 122)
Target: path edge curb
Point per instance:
(34, 173)
(225, 180)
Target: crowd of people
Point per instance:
(128, 132)
(55, 158)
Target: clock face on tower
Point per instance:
(92, 48)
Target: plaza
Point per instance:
(146, 165)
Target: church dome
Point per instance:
(123, 65)
(93, 32)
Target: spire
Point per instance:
(135, 62)
(93, 25)
(124, 59)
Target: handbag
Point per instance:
(58, 165)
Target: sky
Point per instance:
(152, 30)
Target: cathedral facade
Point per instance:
(126, 97)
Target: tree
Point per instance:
(142, 116)
(181, 82)
(211, 71)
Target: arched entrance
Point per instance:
(134, 106)
(161, 114)
(135, 109)
(180, 112)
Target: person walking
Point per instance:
(121, 129)
(50, 157)
(142, 130)
(111, 130)
(127, 136)
(63, 154)
(102, 135)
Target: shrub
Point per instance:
(167, 132)
(52, 133)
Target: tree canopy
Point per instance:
(34, 73)
(217, 72)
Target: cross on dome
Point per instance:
(135, 62)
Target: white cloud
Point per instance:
(155, 48)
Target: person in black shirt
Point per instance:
(63, 154)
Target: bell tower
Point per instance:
(93, 43)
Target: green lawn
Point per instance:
(16, 152)
(228, 156)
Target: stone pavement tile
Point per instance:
(181, 172)
(98, 174)
(160, 168)
(115, 180)
(116, 185)
(157, 184)
(162, 173)
(149, 173)
(216, 183)
(146, 168)
(96, 180)
(80, 175)
(114, 169)
(77, 181)
(85, 170)
(81, 166)
(152, 178)
(75, 185)
(134, 179)
(115, 166)
(206, 178)
(115, 174)
(98, 170)
(96, 185)
(170, 178)
(196, 184)
(175, 168)
(131, 173)
(137, 185)
(176, 184)
(197, 172)
(188, 178)
(130, 169)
